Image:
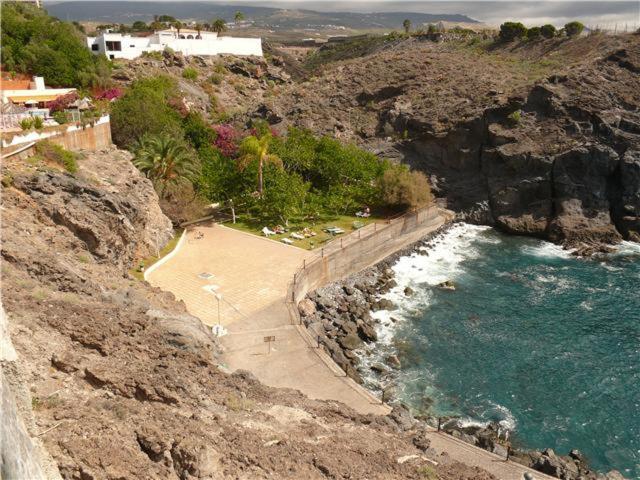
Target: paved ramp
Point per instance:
(251, 275)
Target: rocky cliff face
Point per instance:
(116, 380)
(540, 139)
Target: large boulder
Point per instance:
(306, 307)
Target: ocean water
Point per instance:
(542, 342)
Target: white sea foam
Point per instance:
(546, 250)
(627, 248)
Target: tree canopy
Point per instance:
(512, 30)
(37, 44)
(145, 109)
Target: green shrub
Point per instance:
(61, 117)
(38, 123)
(153, 55)
(220, 68)
(216, 78)
(26, 123)
(404, 188)
(512, 30)
(145, 108)
(515, 117)
(190, 74)
(534, 33)
(548, 31)
(574, 28)
(55, 153)
(7, 180)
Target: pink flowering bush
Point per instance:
(62, 102)
(110, 94)
(227, 139)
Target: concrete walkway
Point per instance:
(252, 274)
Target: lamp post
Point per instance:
(218, 330)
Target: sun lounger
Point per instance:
(287, 241)
(334, 230)
(267, 232)
(297, 236)
(356, 225)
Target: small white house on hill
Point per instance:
(188, 42)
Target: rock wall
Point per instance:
(561, 163)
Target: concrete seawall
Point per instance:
(361, 249)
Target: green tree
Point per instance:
(534, 33)
(197, 132)
(144, 109)
(548, 31)
(198, 27)
(139, 26)
(178, 25)
(254, 149)
(219, 26)
(404, 188)
(165, 160)
(406, 24)
(35, 43)
(512, 30)
(284, 197)
(166, 19)
(238, 17)
(574, 28)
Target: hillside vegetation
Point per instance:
(35, 43)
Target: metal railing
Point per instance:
(358, 245)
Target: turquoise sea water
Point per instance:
(546, 344)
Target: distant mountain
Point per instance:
(128, 12)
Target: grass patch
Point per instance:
(190, 73)
(138, 273)
(345, 222)
(51, 152)
(427, 472)
(237, 403)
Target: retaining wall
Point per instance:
(89, 137)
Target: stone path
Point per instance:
(251, 274)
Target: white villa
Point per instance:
(188, 42)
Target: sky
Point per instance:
(607, 14)
(593, 12)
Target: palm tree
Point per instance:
(219, 26)
(198, 27)
(407, 25)
(238, 17)
(164, 160)
(254, 149)
(178, 26)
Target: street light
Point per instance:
(218, 330)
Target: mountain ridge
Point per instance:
(113, 11)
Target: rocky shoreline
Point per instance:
(339, 317)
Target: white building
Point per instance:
(188, 42)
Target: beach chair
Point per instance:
(297, 236)
(287, 241)
(268, 232)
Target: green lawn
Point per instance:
(147, 262)
(247, 224)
